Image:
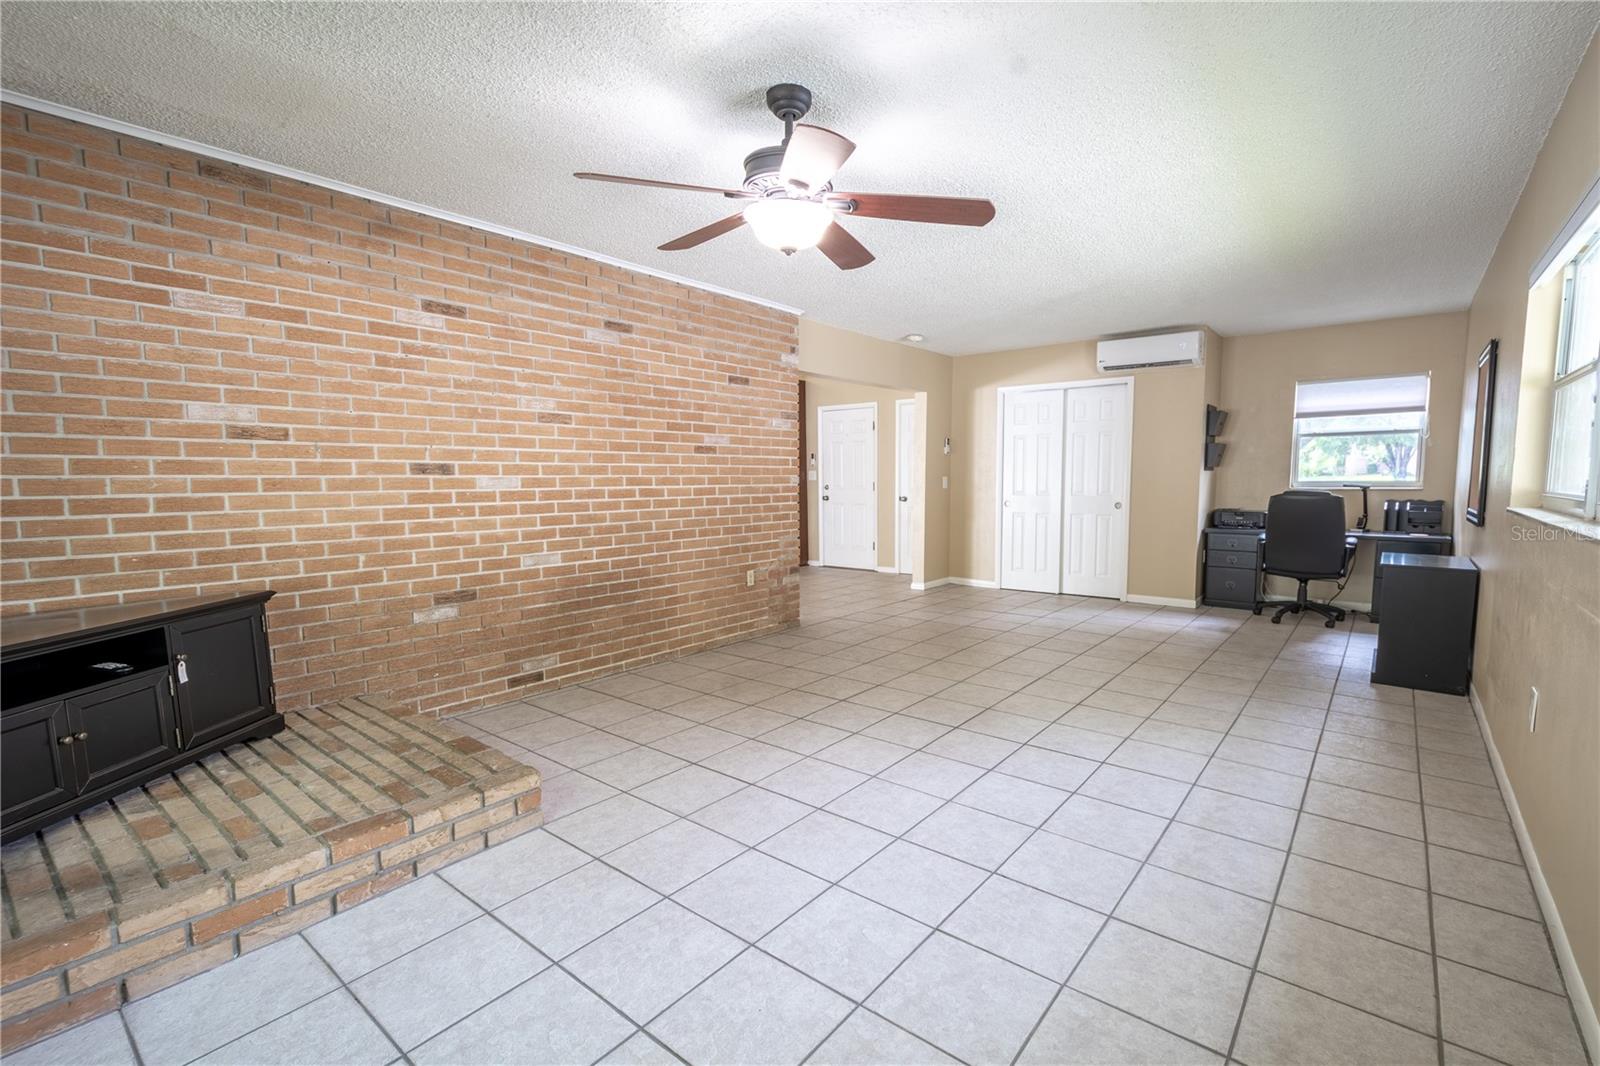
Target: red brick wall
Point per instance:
(460, 459)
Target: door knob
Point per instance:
(824, 497)
(1118, 505)
(1005, 503)
(905, 499)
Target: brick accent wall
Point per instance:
(469, 465)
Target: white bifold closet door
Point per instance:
(1030, 498)
(1096, 492)
(1064, 490)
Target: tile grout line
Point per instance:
(1266, 928)
(1433, 931)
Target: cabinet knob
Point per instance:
(65, 740)
(80, 736)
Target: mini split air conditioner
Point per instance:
(1157, 349)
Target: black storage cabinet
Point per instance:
(1399, 544)
(1232, 573)
(1430, 609)
(100, 700)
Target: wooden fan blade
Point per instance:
(949, 210)
(705, 233)
(618, 179)
(812, 157)
(846, 252)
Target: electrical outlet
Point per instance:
(1533, 709)
(749, 579)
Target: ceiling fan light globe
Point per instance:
(788, 225)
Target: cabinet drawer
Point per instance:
(1232, 560)
(1238, 542)
(1230, 585)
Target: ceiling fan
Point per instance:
(792, 202)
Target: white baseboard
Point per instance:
(888, 569)
(1577, 991)
(935, 583)
(813, 562)
(973, 582)
(1162, 601)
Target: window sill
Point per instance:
(1571, 525)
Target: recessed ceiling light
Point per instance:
(914, 338)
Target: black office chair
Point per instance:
(1307, 541)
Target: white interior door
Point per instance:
(905, 454)
(848, 497)
(1099, 438)
(1030, 493)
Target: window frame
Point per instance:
(1587, 505)
(1296, 481)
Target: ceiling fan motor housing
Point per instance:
(761, 169)
(789, 102)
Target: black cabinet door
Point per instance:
(222, 673)
(120, 728)
(36, 766)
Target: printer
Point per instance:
(1413, 516)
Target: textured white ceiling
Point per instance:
(1249, 167)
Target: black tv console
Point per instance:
(99, 700)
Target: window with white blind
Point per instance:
(1574, 464)
(1360, 431)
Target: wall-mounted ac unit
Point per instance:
(1156, 349)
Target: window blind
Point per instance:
(1361, 396)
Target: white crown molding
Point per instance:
(1577, 991)
(89, 118)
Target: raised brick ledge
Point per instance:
(90, 966)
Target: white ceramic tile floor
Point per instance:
(899, 833)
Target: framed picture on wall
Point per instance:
(1482, 420)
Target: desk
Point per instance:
(1233, 559)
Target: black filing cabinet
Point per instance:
(1232, 568)
(1400, 543)
(100, 700)
(1429, 610)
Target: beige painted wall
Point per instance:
(1539, 605)
(830, 352)
(1258, 378)
(821, 392)
(1168, 439)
